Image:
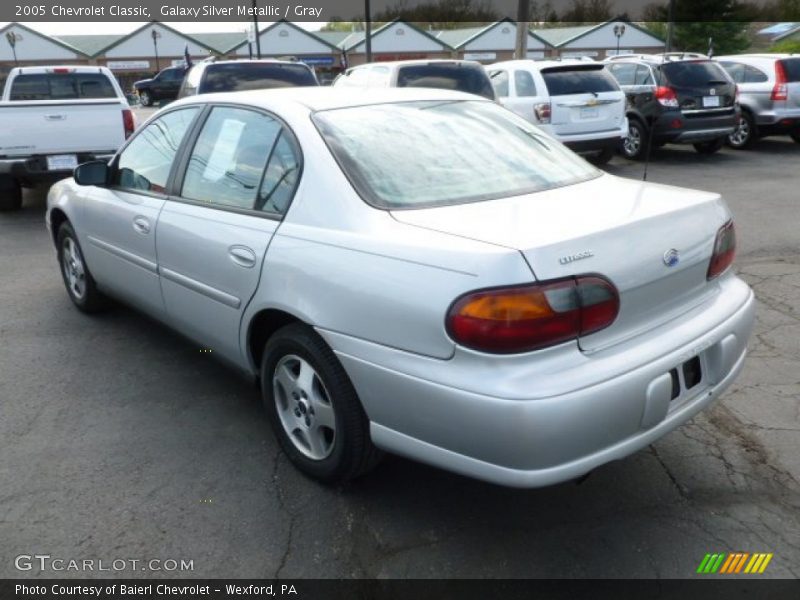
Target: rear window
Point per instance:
(436, 153)
(694, 73)
(461, 78)
(565, 81)
(61, 86)
(792, 68)
(253, 76)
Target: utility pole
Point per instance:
(368, 29)
(255, 28)
(521, 48)
(670, 25)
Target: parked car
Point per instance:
(418, 271)
(163, 86)
(240, 75)
(676, 101)
(54, 118)
(769, 95)
(458, 75)
(577, 102)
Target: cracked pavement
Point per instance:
(119, 439)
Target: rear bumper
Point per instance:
(591, 141)
(551, 416)
(788, 118)
(34, 168)
(676, 128)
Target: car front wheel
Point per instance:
(313, 408)
(710, 147)
(745, 134)
(145, 98)
(633, 146)
(78, 280)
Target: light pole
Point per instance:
(368, 29)
(521, 46)
(619, 31)
(255, 29)
(155, 35)
(13, 38)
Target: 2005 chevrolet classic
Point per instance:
(415, 271)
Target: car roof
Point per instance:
(419, 61)
(541, 64)
(326, 98)
(49, 69)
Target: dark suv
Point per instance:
(676, 101)
(239, 75)
(163, 86)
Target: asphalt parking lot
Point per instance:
(119, 439)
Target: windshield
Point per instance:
(61, 86)
(255, 76)
(435, 153)
(578, 80)
(458, 77)
(694, 73)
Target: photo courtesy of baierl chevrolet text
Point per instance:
(382, 299)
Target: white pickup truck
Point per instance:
(54, 118)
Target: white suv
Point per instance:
(578, 103)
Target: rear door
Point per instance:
(701, 86)
(213, 235)
(585, 99)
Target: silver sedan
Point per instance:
(415, 271)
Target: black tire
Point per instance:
(602, 157)
(796, 135)
(10, 194)
(634, 147)
(351, 452)
(90, 300)
(710, 147)
(145, 98)
(746, 133)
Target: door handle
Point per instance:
(242, 256)
(141, 224)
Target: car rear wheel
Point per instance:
(313, 408)
(10, 194)
(745, 134)
(710, 147)
(79, 282)
(145, 98)
(634, 146)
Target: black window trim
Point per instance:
(181, 164)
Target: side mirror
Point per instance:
(91, 173)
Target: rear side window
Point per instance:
(255, 76)
(61, 86)
(523, 81)
(791, 67)
(694, 73)
(500, 83)
(566, 81)
(624, 73)
(462, 78)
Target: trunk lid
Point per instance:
(700, 85)
(622, 229)
(584, 98)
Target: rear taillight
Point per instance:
(543, 112)
(666, 96)
(724, 251)
(524, 318)
(780, 91)
(127, 122)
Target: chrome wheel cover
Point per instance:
(633, 143)
(304, 407)
(742, 133)
(74, 271)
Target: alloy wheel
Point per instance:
(741, 136)
(632, 145)
(74, 270)
(304, 407)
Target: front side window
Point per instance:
(228, 159)
(146, 162)
(500, 83)
(435, 153)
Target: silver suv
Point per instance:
(769, 94)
